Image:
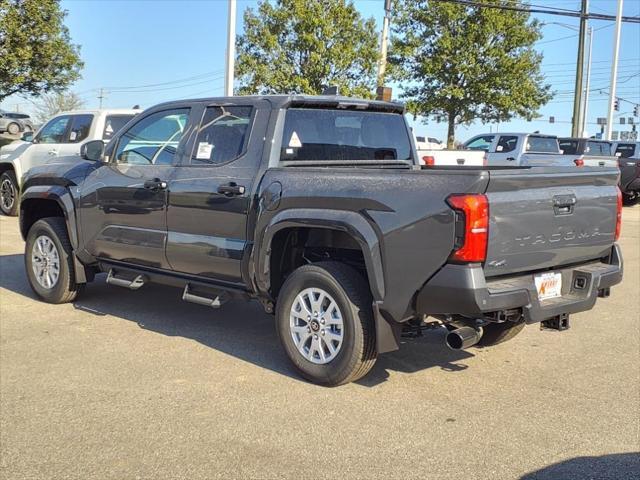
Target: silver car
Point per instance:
(14, 123)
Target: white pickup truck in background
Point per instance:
(61, 136)
(520, 149)
(432, 152)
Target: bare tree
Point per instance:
(52, 104)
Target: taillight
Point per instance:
(579, 162)
(472, 230)
(429, 160)
(618, 215)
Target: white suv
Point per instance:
(61, 136)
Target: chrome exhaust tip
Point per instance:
(463, 337)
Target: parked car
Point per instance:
(446, 157)
(317, 207)
(429, 143)
(14, 123)
(588, 152)
(520, 149)
(63, 135)
(629, 161)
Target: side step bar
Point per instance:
(134, 284)
(215, 302)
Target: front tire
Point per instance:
(49, 261)
(324, 319)
(9, 193)
(13, 128)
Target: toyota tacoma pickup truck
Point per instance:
(317, 207)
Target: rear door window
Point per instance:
(113, 123)
(542, 145)
(507, 143)
(598, 148)
(480, 143)
(222, 135)
(312, 134)
(80, 126)
(569, 147)
(626, 150)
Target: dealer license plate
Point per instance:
(548, 285)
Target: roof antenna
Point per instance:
(136, 107)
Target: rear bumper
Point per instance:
(464, 290)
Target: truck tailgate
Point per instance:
(549, 217)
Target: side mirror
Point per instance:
(27, 137)
(93, 150)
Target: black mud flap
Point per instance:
(387, 332)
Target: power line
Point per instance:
(546, 11)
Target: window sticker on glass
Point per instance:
(295, 141)
(72, 136)
(204, 151)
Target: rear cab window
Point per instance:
(317, 134)
(542, 144)
(626, 150)
(598, 148)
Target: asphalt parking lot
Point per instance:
(142, 385)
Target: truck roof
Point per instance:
(108, 111)
(283, 101)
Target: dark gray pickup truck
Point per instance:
(316, 207)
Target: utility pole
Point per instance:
(614, 71)
(101, 96)
(231, 49)
(384, 40)
(585, 110)
(577, 98)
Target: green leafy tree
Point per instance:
(301, 46)
(54, 103)
(467, 63)
(36, 53)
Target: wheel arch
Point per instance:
(43, 201)
(343, 224)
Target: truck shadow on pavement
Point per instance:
(240, 329)
(619, 466)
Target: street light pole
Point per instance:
(614, 71)
(384, 40)
(577, 98)
(585, 110)
(231, 49)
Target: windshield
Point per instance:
(318, 134)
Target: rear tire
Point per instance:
(342, 310)
(495, 333)
(9, 193)
(48, 260)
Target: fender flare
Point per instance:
(351, 223)
(58, 194)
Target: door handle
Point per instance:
(511, 159)
(230, 189)
(53, 153)
(155, 184)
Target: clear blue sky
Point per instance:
(136, 50)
